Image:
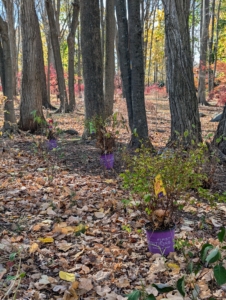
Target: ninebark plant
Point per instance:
(182, 172)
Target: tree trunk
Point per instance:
(193, 32)
(211, 55)
(181, 88)
(92, 59)
(9, 7)
(110, 57)
(137, 75)
(31, 115)
(217, 40)
(57, 57)
(71, 55)
(124, 56)
(7, 78)
(151, 43)
(79, 65)
(203, 53)
(220, 135)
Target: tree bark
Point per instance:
(220, 135)
(110, 58)
(31, 114)
(137, 75)
(7, 78)
(57, 57)
(181, 88)
(217, 40)
(211, 54)
(124, 56)
(71, 55)
(203, 52)
(9, 7)
(92, 59)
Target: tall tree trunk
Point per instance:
(79, 65)
(220, 135)
(181, 88)
(57, 57)
(7, 78)
(31, 115)
(124, 56)
(203, 52)
(102, 23)
(216, 43)
(150, 49)
(137, 75)
(9, 7)
(71, 55)
(193, 31)
(211, 55)
(92, 59)
(110, 57)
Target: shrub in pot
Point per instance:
(106, 133)
(161, 184)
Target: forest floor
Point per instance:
(60, 211)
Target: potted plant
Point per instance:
(106, 133)
(161, 185)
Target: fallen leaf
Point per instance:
(48, 239)
(64, 246)
(44, 280)
(50, 212)
(33, 248)
(36, 227)
(85, 284)
(102, 291)
(67, 276)
(99, 215)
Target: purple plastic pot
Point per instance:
(107, 160)
(160, 241)
(51, 144)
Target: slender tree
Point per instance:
(31, 92)
(203, 51)
(110, 58)
(57, 57)
(220, 135)
(9, 7)
(92, 59)
(71, 55)
(182, 96)
(137, 74)
(7, 77)
(132, 68)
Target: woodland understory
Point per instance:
(61, 211)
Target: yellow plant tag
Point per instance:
(46, 240)
(67, 276)
(159, 187)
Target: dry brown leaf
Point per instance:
(33, 248)
(85, 284)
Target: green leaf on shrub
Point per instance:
(12, 256)
(220, 274)
(135, 295)
(147, 198)
(150, 297)
(22, 275)
(190, 267)
(213, 256)
(205, 248)
(10, 277)
(163, 288)
(195, 292)
(180, 286)
(221, 234)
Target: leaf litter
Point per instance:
(63, 216)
